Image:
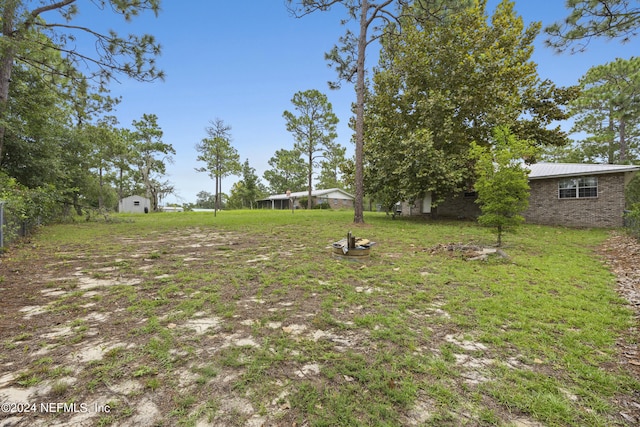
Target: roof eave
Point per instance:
(586, 173)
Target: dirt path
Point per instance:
(622, 254)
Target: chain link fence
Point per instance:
(632, 221)
(12, 227)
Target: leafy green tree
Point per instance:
(37, 123)
(31, 32)
(632, 192)
(151, 155)
(288, 172)
(219, 156)
(608, 111)
(236, 196)
(443, 84)
(502, 181)
(122, 157)
(543, 106)
(594, 18)
(330, 172)
(248, 190)
(104, 137)
(205, 200)
(348, 173)
(349, 61)
(348, 58)
(25, 208)
(313, 128)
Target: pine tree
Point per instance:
(218, 154)
(608, 111)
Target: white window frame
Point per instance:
(584, 187)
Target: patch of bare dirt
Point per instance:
(70, 309)
(468, 252)
(622, 254)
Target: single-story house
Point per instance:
(134, 204)
(578, 195)
(335, 197)
(568, 194)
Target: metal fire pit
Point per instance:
(352, 247)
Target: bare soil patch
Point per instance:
(622, 254)
(116, 339)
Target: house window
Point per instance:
(136, 203)
(578, 188)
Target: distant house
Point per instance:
(568, 194)
(336, 198)
(134, 204)
(171, 209)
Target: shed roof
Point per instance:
(556, 170)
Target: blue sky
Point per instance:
(243, 60)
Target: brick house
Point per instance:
(578, 195)
(568, 194)
(335, 197)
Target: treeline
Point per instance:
(60, 151)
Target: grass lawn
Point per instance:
(247, 319)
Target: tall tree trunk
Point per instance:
(6, 65)
(216, 203)
(612, 142)
(310, 177)
(215, 199)
(623, 140)
(120, 186)
(358, 216)
(100, 193)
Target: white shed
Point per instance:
(134, 204)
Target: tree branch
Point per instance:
(377, 9)
(310, 6)
(59, 5)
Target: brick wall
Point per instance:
(460, 206)
(606, 210)
(337, 203)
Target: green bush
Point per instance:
(632, 220)
(26, 208)
(323, 205)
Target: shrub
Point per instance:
(632, 220)
(323, 205)
(26, 208)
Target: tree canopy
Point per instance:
(443, 84)
(288, 172)
(220, 157)
(151, 155)
(313, 128)
(56, 133)
(594, 18)
(608, 112)
(248, 190)
(502, 180)
(43, 37)
(349, 61)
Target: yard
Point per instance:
(246, 319)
